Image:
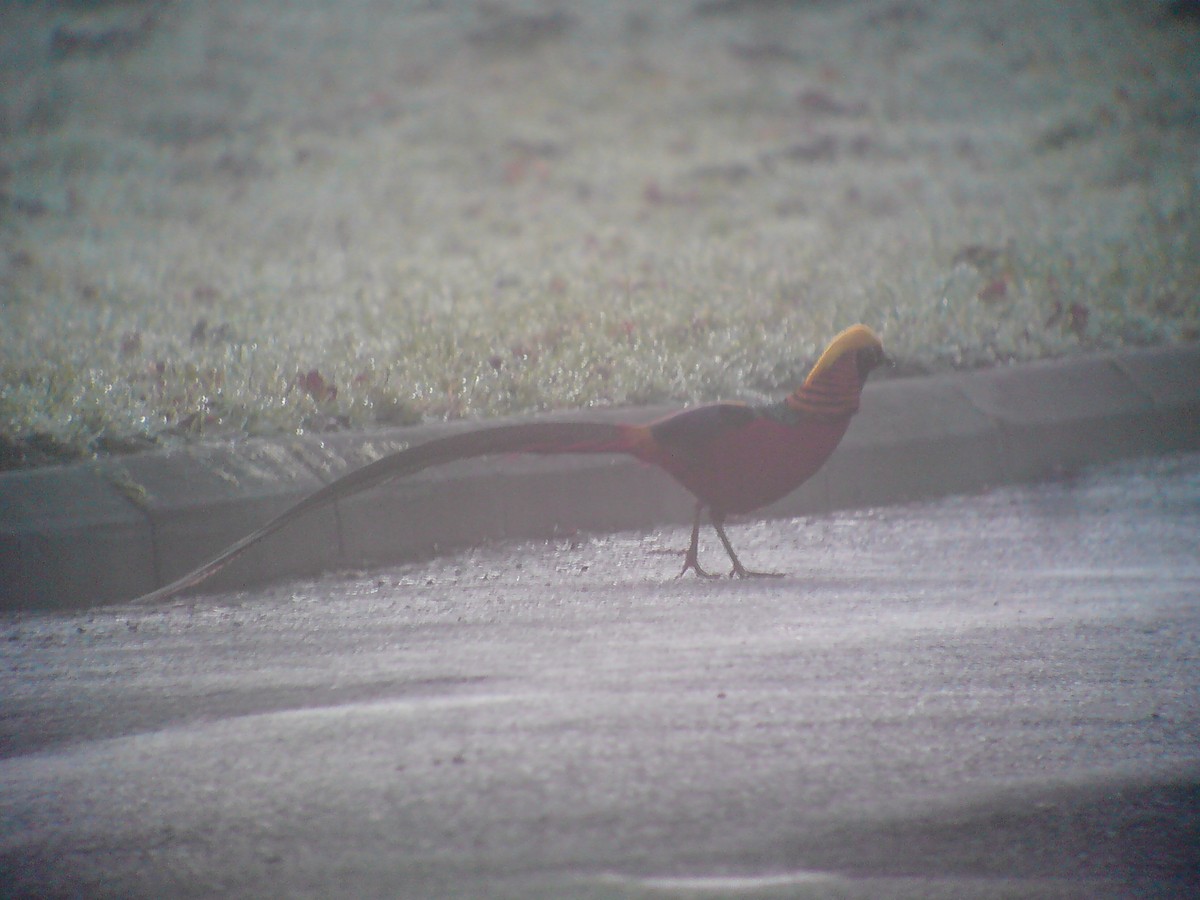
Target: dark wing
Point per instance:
(688, 434)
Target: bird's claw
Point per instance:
(690, 562)
(742, 572)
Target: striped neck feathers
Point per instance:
(833, 387)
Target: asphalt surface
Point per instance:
(987, 696)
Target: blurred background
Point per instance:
(221, 219)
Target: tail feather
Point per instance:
(528, 437)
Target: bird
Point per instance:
(733, 457)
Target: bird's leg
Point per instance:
(738, 571)
(692, 559)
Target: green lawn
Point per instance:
(233, 219)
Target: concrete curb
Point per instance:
(114, 529)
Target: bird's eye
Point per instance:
(868, 359)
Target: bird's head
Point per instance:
(833, 386)
(858, 340)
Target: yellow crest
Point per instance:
(856, 337)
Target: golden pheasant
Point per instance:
(733, 457)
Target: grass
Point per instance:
(633, 209)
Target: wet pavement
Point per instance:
(985, 696)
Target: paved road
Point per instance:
(984, 697)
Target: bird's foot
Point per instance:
(740, 571)
(691, 562)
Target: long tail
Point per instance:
(529, 437)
